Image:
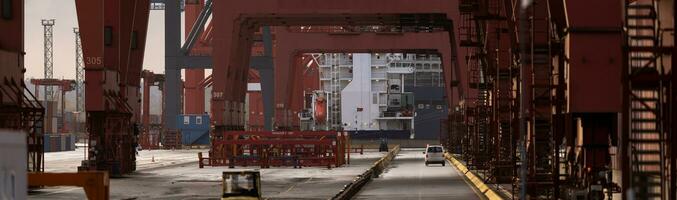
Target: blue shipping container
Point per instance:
(46, 143)
(194, 129)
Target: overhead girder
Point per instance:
(235, 22)
(290, 46)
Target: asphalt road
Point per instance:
(176, 180)
(409, 178)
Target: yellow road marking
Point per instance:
(476, 181)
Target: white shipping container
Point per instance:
(13, 181)
(63, 142)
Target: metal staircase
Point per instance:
(646, 139)
(543, 142)
(541, 179)
(483, 138)
(468, 26)
(505, 144)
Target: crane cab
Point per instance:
(241, 185)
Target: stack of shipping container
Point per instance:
(59, 142)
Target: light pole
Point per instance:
(522, 106)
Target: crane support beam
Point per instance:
(113, 35)
(197, 28)
(236, 21)
(291, 45)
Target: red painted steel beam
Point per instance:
(65, 83)
(206, 82)
(122, 56)
(595, 53)
(255, 102)
(138, 44)
(195, 94)
(274, 142)
(297, 97)
(90, 20)
(113, 38)
(12, 45)
(235, 22)
(282, 134)
(13, 92)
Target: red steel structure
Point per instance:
(308, 75)
(486, 35)
(255, 120)
(20, 110)
(113, 41)
(648, 76)
(149, 138)
(194, 94)
(64, 86)
(236, 21)
(574, 129)
(228, 108)
(593, 84)
(289, 55)
(279, 148)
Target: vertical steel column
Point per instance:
(48, 26)
(79, 73)
(673, 109)
(194, 93)
(79, 80)
(625, 128)
(523, 20)
(172, 71)
(267, 80)
(148, 79)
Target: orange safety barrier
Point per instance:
(95, 183)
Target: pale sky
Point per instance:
(63, 11)
(64, 39)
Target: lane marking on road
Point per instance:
(294, 186)
(476, 181)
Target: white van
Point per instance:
(434, 154)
